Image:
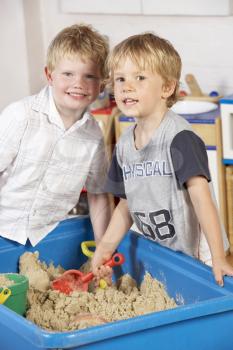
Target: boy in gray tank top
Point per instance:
(159, 167)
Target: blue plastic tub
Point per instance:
(204, 320)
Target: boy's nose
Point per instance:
(128, 87)
(78, 81)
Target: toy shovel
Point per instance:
(75, 280)
(89, 253)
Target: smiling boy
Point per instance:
(51, 146)
(160, 166)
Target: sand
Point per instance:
(55, 311)
(5, 282)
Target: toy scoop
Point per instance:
(75, 280)
(85, 247)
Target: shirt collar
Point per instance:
(41, 101)
(54, 116)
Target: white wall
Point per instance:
(13, 58)
(34, 29)
(204, 43)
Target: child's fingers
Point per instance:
(107, 275)
(103, 272)
(228, 270)
(106, 270)
(219, 281)
(220, 269)
(96, 265)
(218, 275)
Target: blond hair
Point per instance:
(153, 53)
(81, 40)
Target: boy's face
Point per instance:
(76, 83)
(138, 93)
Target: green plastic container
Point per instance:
(17, 301)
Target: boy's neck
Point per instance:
(145, 129)
(69, 120)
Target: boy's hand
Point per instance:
(221, 268)
(105, 273)
(98, 260)
(100, 271)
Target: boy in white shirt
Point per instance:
(51, 146)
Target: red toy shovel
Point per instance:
(75, 280)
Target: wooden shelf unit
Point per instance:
(229, 192)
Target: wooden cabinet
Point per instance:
(226, 105)
(208, 127)
(105, 118)
(229, 186)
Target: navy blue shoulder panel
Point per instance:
(189, 157)
(115, 181)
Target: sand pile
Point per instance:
(56, 311)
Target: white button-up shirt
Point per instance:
(43, 166)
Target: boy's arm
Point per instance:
(100, 213)
(13, 122)
(208, 218)
(119, 225)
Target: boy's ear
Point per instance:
(168, 88)
(102, 86)
(48, 75)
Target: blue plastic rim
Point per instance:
(202, 321)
